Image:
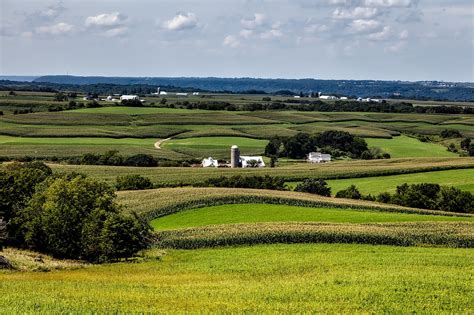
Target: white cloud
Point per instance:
(181, 21)
(55, 29)
(396, 47)
(116, 32)
(52, 12)
(384, 34)
(363, 26)
(231, 41)
(403, 34)
(271, 34)
(355, 13)
(106, 20)
(257, 20)
(388, 3)
(246, 33)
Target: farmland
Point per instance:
(266, 278)
(253, 213)
(249, 250)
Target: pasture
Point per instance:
(291, 172)
(403, 146)
(217, 147)
(254, 213)
(462, 179)
(334, 278)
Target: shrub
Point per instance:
(133, 182)
(465, 143)
(78, 218)
(350, 192)
(450, 133)
(314, 186)
(471, 149)
(238, 181)
(384, 197)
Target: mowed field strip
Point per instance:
(254, 213)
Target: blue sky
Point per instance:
(327, 39)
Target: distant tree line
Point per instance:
(320, 106)
(67, 216)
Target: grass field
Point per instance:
(217, 147)
(403, 146)
(462, 179)
(270, 278)
(253, 213)
(294, 172)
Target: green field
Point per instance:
(462, 179)
(253, 213)
(403, 146)
(217, 147)
(271, 278)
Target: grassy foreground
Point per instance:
(270, 278)
(252, 213)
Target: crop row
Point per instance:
(151, 204)
(445, 234)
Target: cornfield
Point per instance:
(151, 204)
(445, 234)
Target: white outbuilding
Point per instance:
(251, 161)
(210, 162)
(318, 157)
(129, 97)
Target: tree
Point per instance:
(455, 200)
(465, 143)
(74, 218)
(59, 97)
(471, 149)
(450, 133)
(12, 93)
(314, 186)
(350, 192)
(133, 182)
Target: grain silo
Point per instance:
(234, 156)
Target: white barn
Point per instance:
(318, 157)
(245, 161)
(210, 162)
(129, 97)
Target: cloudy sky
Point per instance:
(327, 39)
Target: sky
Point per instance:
(322, 39)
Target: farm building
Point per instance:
(129, 97)
(251, 161)
(210, 162)
(328, 97)
(318, 157)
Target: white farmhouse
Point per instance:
(248, 161)
(328, 97)
(129, 97)
(318, 157)
(163, 93)
(210, 162)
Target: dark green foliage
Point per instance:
(334, 142)
(431, 196)
(17, 184)
(78, 218)
(141, 160)
(350, 192)
(450, 133)
(115, 159)
(238, 181)
(465, 143)
(471, 149)
(133, 182)
(314, 186)
(60, 97)
(132, 103)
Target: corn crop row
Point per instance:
(398, 234)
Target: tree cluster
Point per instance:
(314, 186)
(336, 143)
(133, 182)
(238, 181)
(67, 216)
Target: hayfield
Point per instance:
(217, 147)
(294, 172)
(403, 146)
(462, 179)
(326, 278)
(255, 213)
